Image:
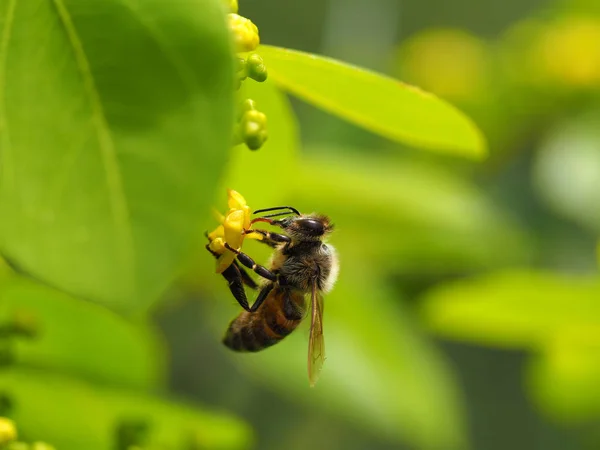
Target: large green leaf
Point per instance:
(115, 121)
(81, 338)
(380, 372)
(514, 309)
(378, 103)
(73, 415)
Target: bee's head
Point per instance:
(309, 227)
(304, 227)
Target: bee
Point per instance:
(301, 265)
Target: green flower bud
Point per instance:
(8, 431)
(245, 33)
(253, 128)
(256, 68)
(247, 105)
(256, 117)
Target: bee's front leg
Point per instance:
(270, 239)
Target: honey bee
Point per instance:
(301, 264)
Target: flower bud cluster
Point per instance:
(251, 128)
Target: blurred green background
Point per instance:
(467, 313)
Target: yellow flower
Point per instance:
(231, 230)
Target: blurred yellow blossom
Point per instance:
(562, 52)
(448, 62)
(569, 51)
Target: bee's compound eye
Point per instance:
(311, 226)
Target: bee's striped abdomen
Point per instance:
(252, 332)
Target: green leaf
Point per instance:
(81, 338)
(73, 415)
(563, 379)
(514, 309)
(380, 104)
(380, 373)
(115, 121)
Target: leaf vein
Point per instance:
(118, 203)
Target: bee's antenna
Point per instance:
(285, 213)
(277, 208)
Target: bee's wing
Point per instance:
(316, 343)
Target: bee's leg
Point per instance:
(249, 262)
(246, 279)
(271, 239)
(291, 311)
(262, 295)
(235, 279)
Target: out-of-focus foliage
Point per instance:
(380, 104)
(541, 81)
(50, 408)
(563, 377)
(572, 148)
(556, 317)
(67, 331)
(518, 229)
(110, 141)
(521, 309)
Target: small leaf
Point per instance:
(71, 414)
(82, 339)
(514, 309)
(378, 103)
(113, 135)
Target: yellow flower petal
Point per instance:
(235, 200)
(246, 210)
(234, 228)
